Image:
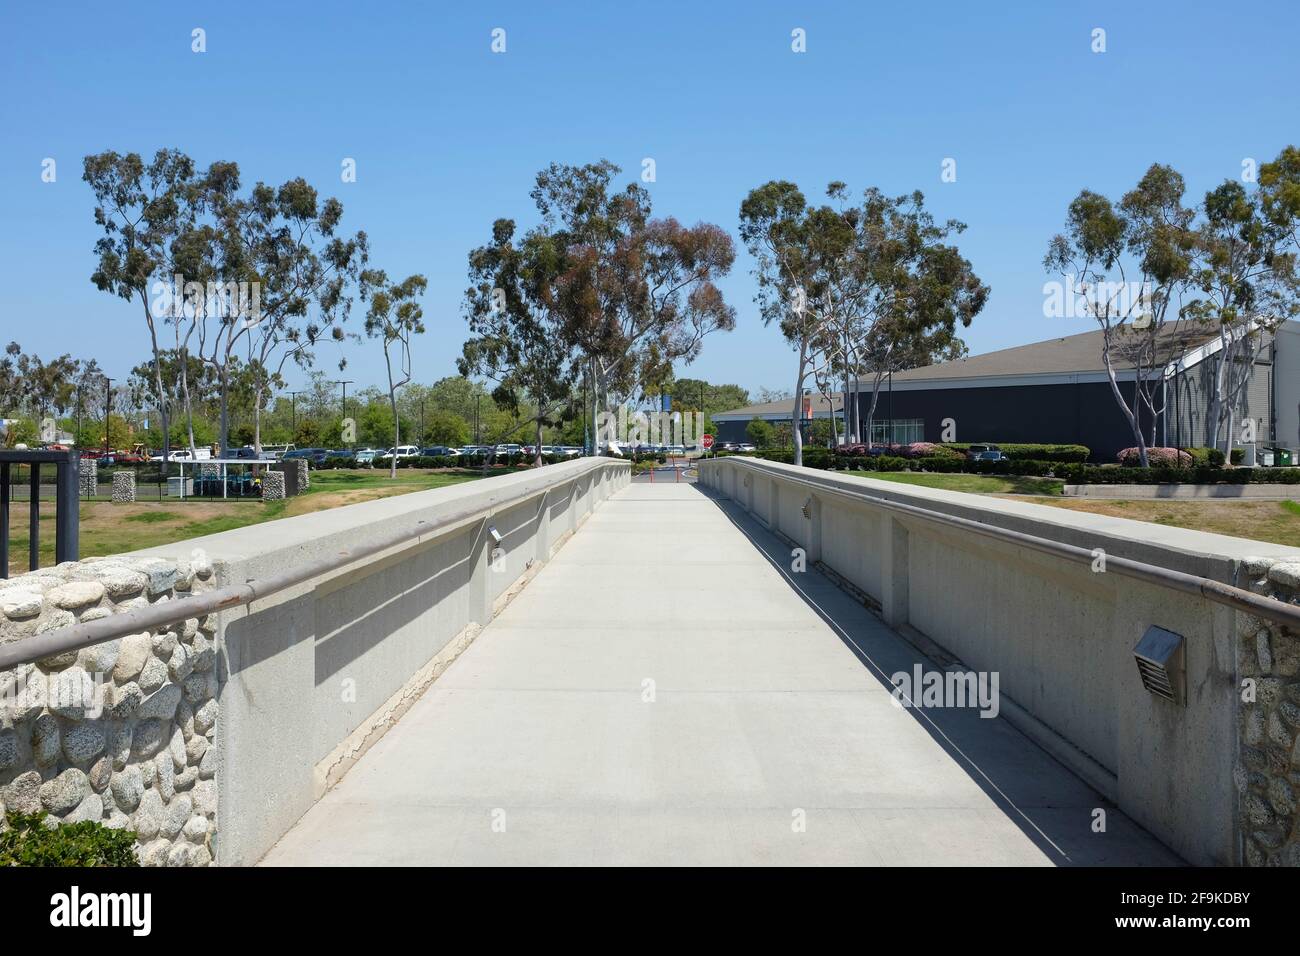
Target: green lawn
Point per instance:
(976, 484)
(108, 528)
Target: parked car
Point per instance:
(315, 456)
(974, 451)
(184, 455)
(366, 456)
(439, 451)
(402, 451)
(990, 455)
(345, 453)
(745, 446)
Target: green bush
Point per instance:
(1238, 455)
(1205, 456)
(1201, 475)
(29, 842)
(1031, 452)
(814, 456)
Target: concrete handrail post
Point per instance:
(894, 573)
(814, 545)
(774, 506)
(543, 550)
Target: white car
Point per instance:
(403, 451)
(184, 455)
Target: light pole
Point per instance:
(345, 383)
(293, 415)
(108, 409)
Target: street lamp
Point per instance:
(345, 383)
(293, 415)
(108, 410)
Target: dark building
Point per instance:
(1058, 391)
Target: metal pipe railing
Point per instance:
(1207, 588)
(161, 614)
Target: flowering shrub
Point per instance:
(926, 449)
(1156, 458)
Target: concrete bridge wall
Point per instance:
(1213, 779)
(312, 676)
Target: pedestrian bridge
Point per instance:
(567, 667)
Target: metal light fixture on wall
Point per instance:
(1161, 663)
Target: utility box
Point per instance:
(1284, 457)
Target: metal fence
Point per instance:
(66, 472)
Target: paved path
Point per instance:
(664, 693)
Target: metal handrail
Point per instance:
(1207, 588)
(89, 633)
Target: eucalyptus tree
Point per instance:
(394, 316)
(911, 295)
(637, 294)
(518, 341)
(141, 209)
(36, 385)
(1128, 263)
(799, 255)
(1245, 280)
(857, 289)
(284, 272)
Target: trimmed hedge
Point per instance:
(1201, 475)
(1031, 452)
(1205, 456)
(1075, 473)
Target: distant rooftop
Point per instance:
(1078, 354)
(1070, 354)
(783, 408)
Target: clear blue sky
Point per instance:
(447, 136)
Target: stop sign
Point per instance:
(708, 442)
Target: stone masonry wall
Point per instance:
(1268, 769)
(120, 732)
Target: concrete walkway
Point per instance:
(666, 692)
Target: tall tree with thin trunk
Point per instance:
(139, 207)
(638, 294)
(394, 316)
(518, 336)
(279, 249)
(1127, 263)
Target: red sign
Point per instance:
(708, 442)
